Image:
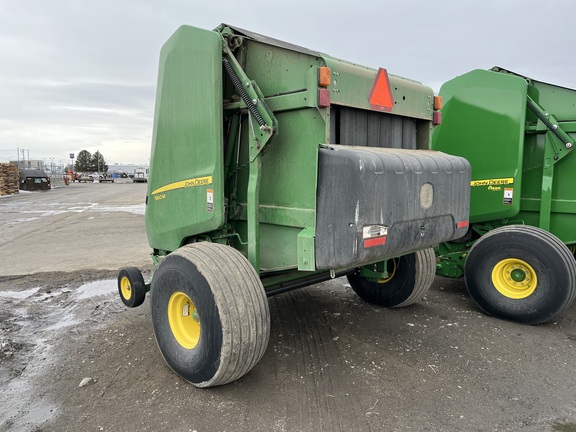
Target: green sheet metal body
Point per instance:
(217, 174)
(522, 171)
(177, 187)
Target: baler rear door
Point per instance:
(483, 120)
(185, 188)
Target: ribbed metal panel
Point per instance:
(350, 126)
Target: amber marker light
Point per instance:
(437, 102)
(324, 76)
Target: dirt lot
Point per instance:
(334, 363)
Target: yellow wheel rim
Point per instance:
(391, 263)
(184, 320)
(514, 278)
(126, 288)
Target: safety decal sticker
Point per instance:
(508, 194)
(193, 182)
(374, 235)
(492, 182)
(210, 200)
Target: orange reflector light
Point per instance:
(381, 95)
(324, 76)
(437, 102)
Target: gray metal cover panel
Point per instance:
(271, 41)
(418, 198)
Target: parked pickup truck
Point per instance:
(85, 178)
(106, 178)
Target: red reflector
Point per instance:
(381, 95)
(437, 118)
(323, 98)
(377, 241)
(462, 224)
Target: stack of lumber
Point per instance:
(8, 179)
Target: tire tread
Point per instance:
(548, 240)
(425, 274)
(242, 307)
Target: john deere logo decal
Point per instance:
(193, 182)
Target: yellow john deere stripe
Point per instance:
(193, 182)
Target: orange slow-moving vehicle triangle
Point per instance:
(381, 94)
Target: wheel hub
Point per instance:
(514, 278)
(126, 288)
(184, 320)
(518, 275)
(391, 266)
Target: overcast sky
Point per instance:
(81, 74)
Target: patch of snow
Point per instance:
(64, 321)
(48, 211)
(135, 209)
(82, 208)
(22, 192)
(96, 288)
(17, 221)
(18, 295)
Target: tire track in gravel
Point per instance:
(320, 392)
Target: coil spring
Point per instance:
(532, 106)
(242, 92)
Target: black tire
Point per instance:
(131, 287)
(521, 273)
(210, 313)
(411, 277)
